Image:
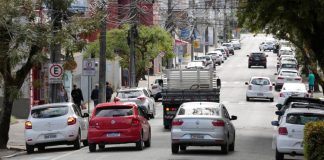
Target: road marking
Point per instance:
(67, 154)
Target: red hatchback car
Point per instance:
(116, 123)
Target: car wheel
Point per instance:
(279, 156)
(156, 98)
(175, 148)
(249, 66)
(92, 147)
(225, 147)
(183, 148)
(101, 146)
(41, 148)
(85, 142)
(271, 99)
(77, 142)
(222, 61)
(139, 144)
(29, 148)
(148, 142)
(232, 145)
(265, 66)
(247, 98)
(219, 63)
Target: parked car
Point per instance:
(195, 65)
(305, 104)
(236, 44)
(224, 52)
(286, 59)
(268, 45)
(141, 96)
(257, 59)
(217, 57)
(202, 124)
(287, 76)
(259, 87)
(230, 47)
(292, 89)
(289, 138)
(116, 123)
(287, 66)
(205, 59)
(156, 89)
(285, 51)
(55, 124)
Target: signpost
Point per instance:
(55, 73)
(89, 69)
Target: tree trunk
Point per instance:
(5, 115)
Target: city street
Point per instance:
(254, 133)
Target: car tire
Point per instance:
(232, 145)
(77, 142)
(225, 148)
(174, 148)
(279, 156)
(92, 147)
(29, 148)
(85, 142)
(249, 66)
(222, 61)
(219, 63)
(265, 66)
(101, 146)
(183, 148)
(41, 148)
(247, 98)
(139, 144)
(148, 142)
(271, 99)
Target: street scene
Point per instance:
(180, 81)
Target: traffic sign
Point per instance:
(89, 67)
(55, 73)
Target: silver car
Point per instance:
(141, 96)
(202, 124)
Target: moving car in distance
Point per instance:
(287, 76)
(292, 89)
(230, 47)
(259, 87)
(257, 59)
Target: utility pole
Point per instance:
(132, 34)
(193, 29)
(225, 23)
(102, 55)
(169, 25)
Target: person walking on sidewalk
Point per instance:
(311, 82)
(77, 96)
(62, 94)
(109, 92)
(95, 95)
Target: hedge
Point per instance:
(314, 141)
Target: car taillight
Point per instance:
(281, 95)
(283, 131)
(297, 79)
(270, 88)
(135, 122)
(71, 120)
(141, 98)
(177, 122)
(281, 78)
(28, 125)
(116, 99)
(250, 87)
(218, 123)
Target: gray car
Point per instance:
(203, 124)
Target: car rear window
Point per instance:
(200, 110)
(129, 94)
(258, 54)
(117, 111)
(49, 112)
(303, 118)
(288, 66)
(260, 81)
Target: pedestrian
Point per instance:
(311, 82)
(95, 95)
(109, 92)
(125, 77)
(77, 96)
(62, 94)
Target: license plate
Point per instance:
(49, 136)
(197, 136)
(113, 135)
(259, 94)
(288, 79)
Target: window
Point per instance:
(116, 111)
(260, 81)
(140, 112)
(258, 55)
(76, 110)
(129, 94)
(288, 66)
(303, 118)
(226, 115)
(199, 110)
(50, 112)
(146, 93)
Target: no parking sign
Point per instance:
(55, 73)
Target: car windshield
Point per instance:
(288, 66)
(257, 54)
(288, 73)
(116, 111)
(260, 81)
(199, 110)
(50, 112)
(303, 118)
(129, 94)
(200, 58)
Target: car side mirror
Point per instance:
(267, 56)
(218, 82)
(275, 123)
(233, 117)
(246, 83)
(279, 106)
(273, 84)
(279, 113)
(275, 74)
(85, 115)
(248, 55)
(151, 84)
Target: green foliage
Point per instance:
(314, 141)
(151, 41)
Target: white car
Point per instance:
(236, 44)
(217, 57)
(55, 124)
(285, 51)
(287, 76)
(289, 138)
(259, 87)
(195, 65)
(292, 89)
(268, 45)
(287, 65)
(223, 52)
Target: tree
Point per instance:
(23, 45)
(151, 41)
(300, 22)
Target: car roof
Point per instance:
(207, 104)
(52, 105)
(303, 99)
(259, 77)
(213, 52)
(293, 86)
(305, 110)
(132, 89)
(286, 48)
(114, 104)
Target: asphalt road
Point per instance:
(254, 133)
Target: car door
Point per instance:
(229, 124)
(144, 122)
(82, 121)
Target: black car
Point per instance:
(258, 59)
